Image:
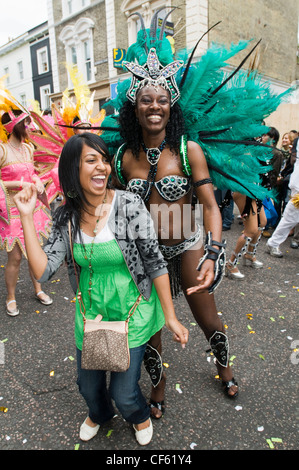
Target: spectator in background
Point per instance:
(295, 241)
(272, 138)
(291, 213)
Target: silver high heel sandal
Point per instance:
(236, 275)
(252, 261)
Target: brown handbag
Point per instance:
(105, 343)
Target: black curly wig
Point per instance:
(132, 134)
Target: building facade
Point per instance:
(90, 34)
(26, 63)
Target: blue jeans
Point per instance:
(123, 389)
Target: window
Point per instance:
(23, 99)
(21, 70)
(45, 92)
(147, 10)
(78, 42)
(42, 60)
(74, 55)
(70, 7)
(6, 72)
(87, 58)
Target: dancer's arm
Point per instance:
(25, 201)
(211, 213)
(180, 333)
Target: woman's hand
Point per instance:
(180, 333)
(205, 278)
(25, 200)
(38, 184)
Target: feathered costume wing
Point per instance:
(223, 111)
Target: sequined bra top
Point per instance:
(170, 187)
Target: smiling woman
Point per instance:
(116, 256)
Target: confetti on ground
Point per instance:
(290, 338)
(270, 443)
(283, 296)
(272, 319)
(66, 298)
(24, 441)
(260, 428)
(262, 357)
(193, 445)
(238, 407)
(36, 311)
(109, 433)
(178, 388)
(3, 409)
(77, 446)
(193, 324)
(52, 373)
(4, 340)
(273, 439)
(242, 293)
(165, 365)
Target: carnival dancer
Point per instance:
(182, 126)
(17, 171)
(254, 220)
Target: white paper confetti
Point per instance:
(193, 445)
(260, 428)
(238, 407)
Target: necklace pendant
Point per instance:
(153, 155)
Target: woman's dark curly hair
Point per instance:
(132, 134)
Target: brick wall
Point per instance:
(273, 21)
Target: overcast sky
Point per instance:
(18, 16)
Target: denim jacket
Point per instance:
(134, 232)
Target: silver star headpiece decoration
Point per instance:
(153, 74)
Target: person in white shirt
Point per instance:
(290, 217)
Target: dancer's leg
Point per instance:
(204, 310)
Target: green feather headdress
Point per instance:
(223, 112)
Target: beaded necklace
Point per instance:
(153, 156)
(91, 249)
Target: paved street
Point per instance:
(45, 410)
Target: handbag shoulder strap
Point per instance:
(79, 295)
(133, 308)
